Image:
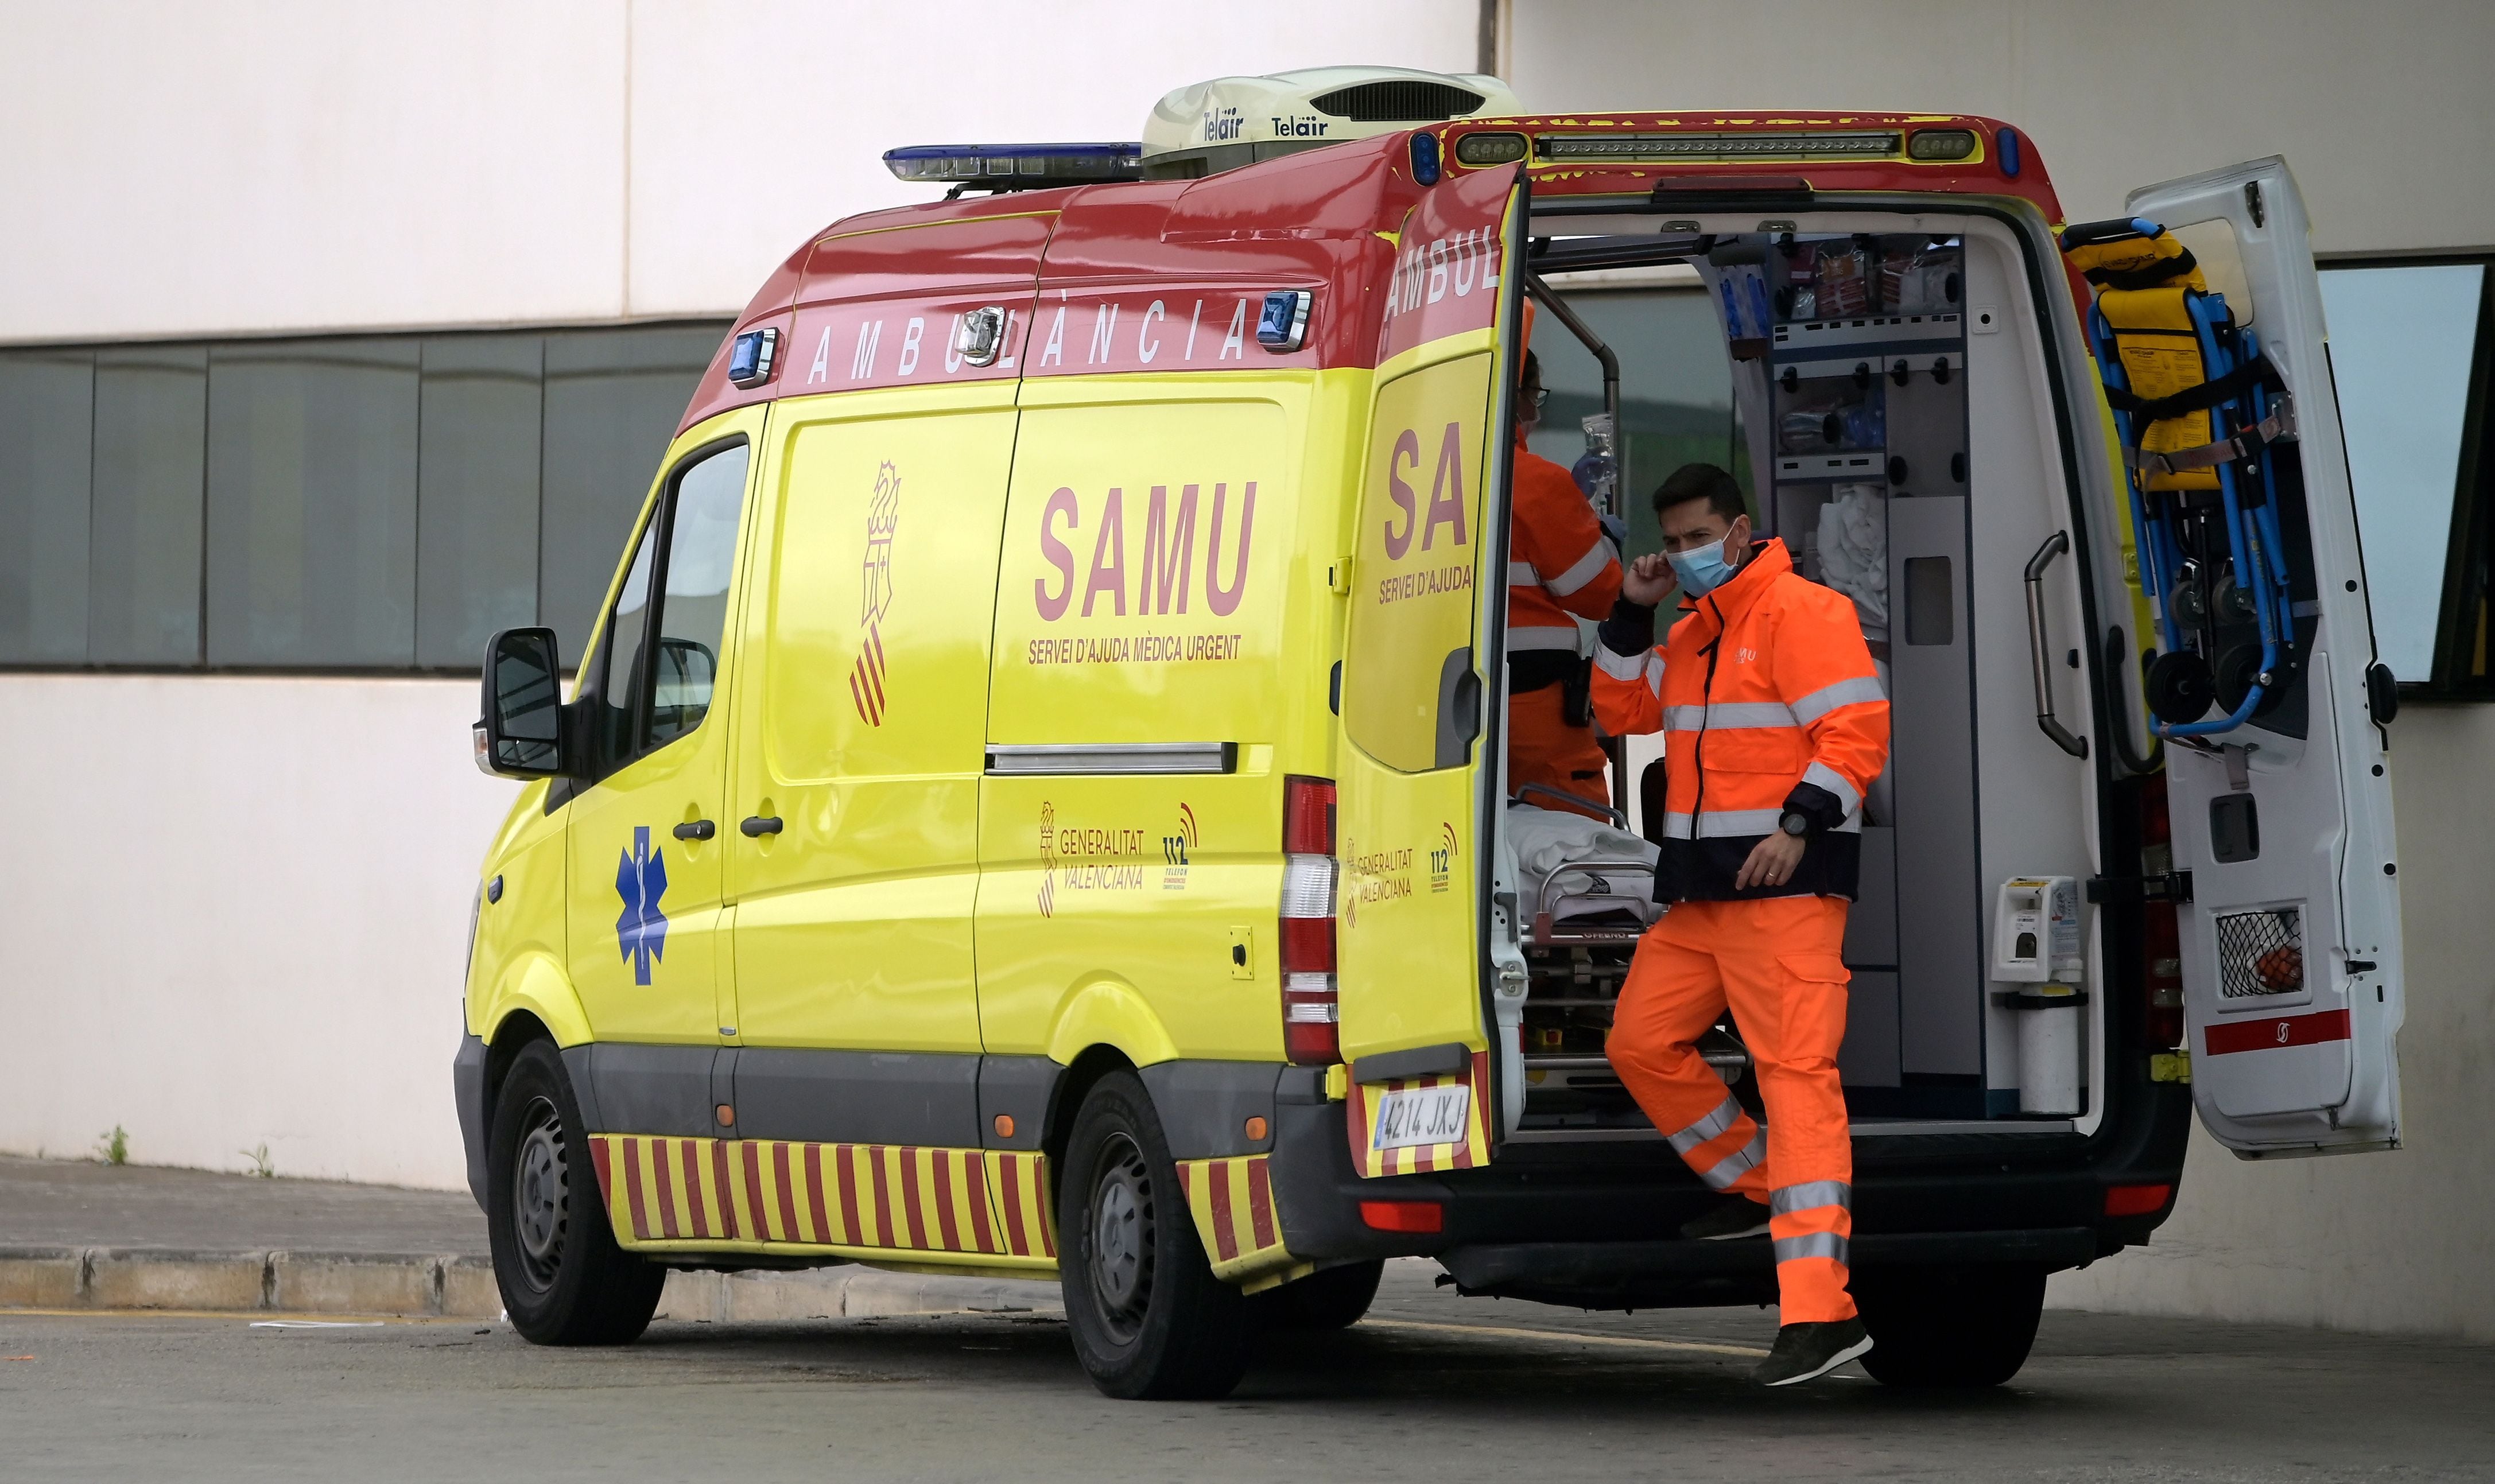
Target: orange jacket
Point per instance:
(1559, 559)
(1768, 703)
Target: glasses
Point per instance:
(1538, 398)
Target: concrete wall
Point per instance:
(234, 912)
(2381, 109)
(297, 165)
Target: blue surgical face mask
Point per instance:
(1703, 570)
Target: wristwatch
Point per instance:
(1795, 823)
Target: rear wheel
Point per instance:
(1148, 1317)
(564, 1279)
(1333, 1299)
(1949, 1326)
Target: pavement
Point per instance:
(1430, 1386)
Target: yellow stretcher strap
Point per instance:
(2141, 286)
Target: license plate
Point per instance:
(1415, 1116)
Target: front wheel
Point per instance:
(564, 1279)
(1148, 1317)
(1936, 1327)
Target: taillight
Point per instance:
(2161, 944)
(2137, 1199)
(1402, 1216)
(1312, 1034)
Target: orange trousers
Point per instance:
(1778, 963)
(1542, 748)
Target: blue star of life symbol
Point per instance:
(641, 880)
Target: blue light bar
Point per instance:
(1015, 167)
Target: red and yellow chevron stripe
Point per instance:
(753, 1192)
(1232, 1201)
(1360, 1123)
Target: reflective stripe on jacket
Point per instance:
(1768, 702)
(1559, 562)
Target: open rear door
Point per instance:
(1421, 671)
(2291, 939)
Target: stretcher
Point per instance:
(2199, 410)
(1589, 882)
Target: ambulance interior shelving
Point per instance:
(1876, 384)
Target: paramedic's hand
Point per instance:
(1772, 862)
(1650, 580)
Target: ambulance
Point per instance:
(1032, 804)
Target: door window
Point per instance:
(649, 694)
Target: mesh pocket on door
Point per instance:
(2261, 952)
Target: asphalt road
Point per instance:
(1431, 1387)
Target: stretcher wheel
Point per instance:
(2239, 671)
(564, 1279)
(1148, 1319)
(2180, 687)
(2189, 605)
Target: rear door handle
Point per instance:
(697, 829)
(759, 824)
(2055, 546)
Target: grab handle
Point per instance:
(2055, 546)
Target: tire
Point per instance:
(1949, 1327)
(1148, 1317)
(564, 1280)
(1335, 1298)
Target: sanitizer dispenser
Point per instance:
(2036, 942)
(2035, 927)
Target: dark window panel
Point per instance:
(2402, 343)
(477, 494)
(312, 504)
(46, 428)
(151, 408)
(612, 400)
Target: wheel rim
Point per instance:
(1122, 1238)
(540, 1194)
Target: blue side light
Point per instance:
(2007, 141)
(1283, 327)
(1425, 159)
(751, 358)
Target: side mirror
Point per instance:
(520, 734)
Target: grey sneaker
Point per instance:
(1733, 1215)
(1806, 1351)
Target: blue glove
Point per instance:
(1594, 475)
(1616, 528)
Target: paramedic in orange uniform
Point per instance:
(1775, 725)
(1560, 563)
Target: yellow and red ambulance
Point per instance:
(1033, 803)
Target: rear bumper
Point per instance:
(1591, 1224)
(1639, 1275)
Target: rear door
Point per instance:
(2291, 941)
(1421, 666)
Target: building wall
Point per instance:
(296, 165)
(2382, 113)
(236, 913)
(2380, 109)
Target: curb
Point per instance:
(446, 1286)
(433, 1285)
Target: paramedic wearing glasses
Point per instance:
(1560, 563)
(1775, 725)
